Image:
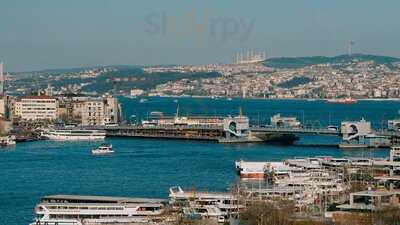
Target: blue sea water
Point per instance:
(148, 167)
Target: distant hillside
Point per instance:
(121, 78)
(294, 82)
(298, 62)
(127, 79)
(72, 70)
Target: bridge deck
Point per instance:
(206, 130)
(321, 131)
(170, 132)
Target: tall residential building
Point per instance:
(36, 108)
(93, 112)
(97, 111)
(112, 112)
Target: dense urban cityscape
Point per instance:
(356, 76)
(357, 79)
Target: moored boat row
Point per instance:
(291, 167)
(98, 210)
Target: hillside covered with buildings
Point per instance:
(357, 76)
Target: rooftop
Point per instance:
(356, 207)
(84, 198)
(375, 193)
(38, 97)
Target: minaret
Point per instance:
(177, 112)
(1, 78)
(350, 48)
(49, 90)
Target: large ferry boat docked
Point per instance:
(73, 134)
(82, 210)
(219, 207)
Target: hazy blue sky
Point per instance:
(40, 34)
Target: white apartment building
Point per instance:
(36, 108)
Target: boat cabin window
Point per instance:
(202, 210)
(340, 160)
(148, 209)
(62, 200)
(362, 160)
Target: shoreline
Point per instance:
(257, 98)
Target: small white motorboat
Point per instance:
(103, 149)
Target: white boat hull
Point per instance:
(102, 152)
(56, 222)
(74, 135)
(73, 138)
(125, 220)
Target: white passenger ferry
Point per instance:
(216, 206)
(83, 210)
(73, 134)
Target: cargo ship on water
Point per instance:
(342, 101)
